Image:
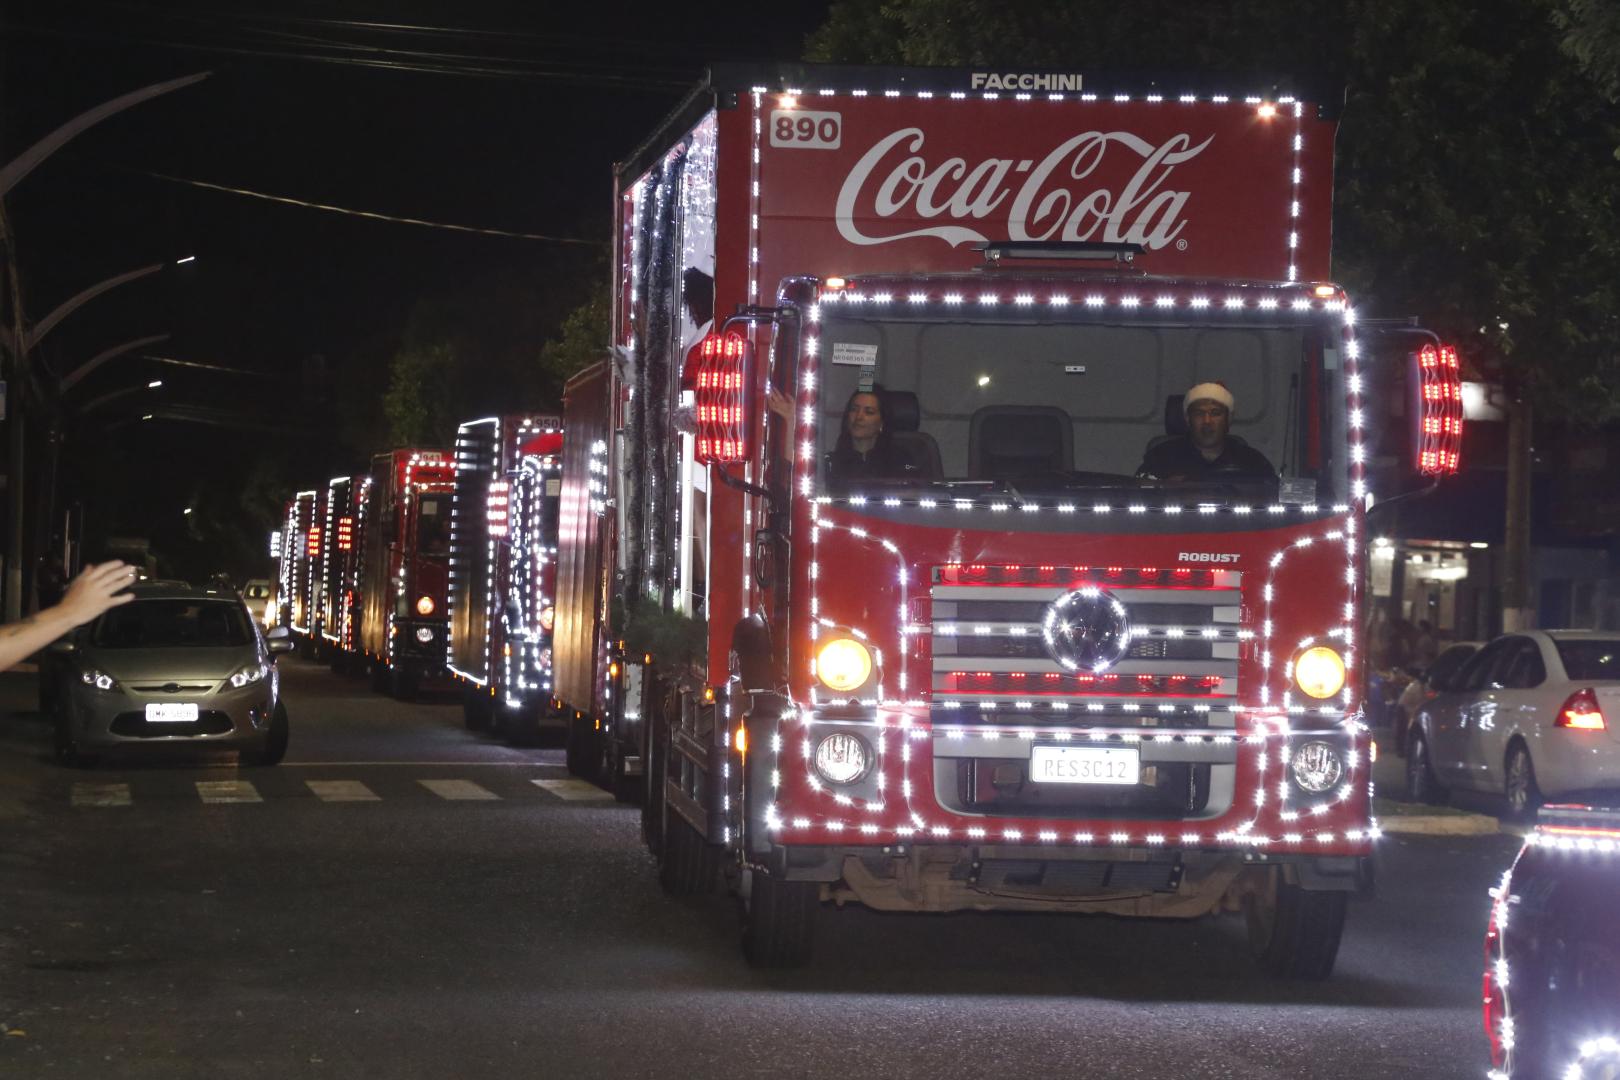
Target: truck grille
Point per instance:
(1180, 660)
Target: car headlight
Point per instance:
(98, 679)
(248, 675)
(1317, 766)
(424, 605)
(548, 617)
(424, 634)
(842, 758)
(1319, 672)
(843, 664)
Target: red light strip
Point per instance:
(1063, 684)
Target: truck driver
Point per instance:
(1208, 449)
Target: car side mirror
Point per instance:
(279, 640)
(62, 647)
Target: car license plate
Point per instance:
(177, 713)
(1084, 765)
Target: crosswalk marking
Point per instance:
(341, 791)
(457, 789)
(573, 790)
(227, 791)
(100, 794)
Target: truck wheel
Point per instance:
(1294, 933)
(1523, 794)
(577, 748)
(690, 865)
(652, 791)
(475, 708)
(1421, 784)
(612, 771)
(402, 683)
(779, 920)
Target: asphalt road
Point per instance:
(403, 899)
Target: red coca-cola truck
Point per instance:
(503, 571)
(300, 567)
(1011, 453)
(404, 569)
(340, 569)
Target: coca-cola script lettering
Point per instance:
(1042, 200)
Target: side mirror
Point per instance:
(62, 647)
(279, 640)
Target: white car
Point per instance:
(1530, 715)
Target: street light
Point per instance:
(154, 384)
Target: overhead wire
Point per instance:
(368, 214)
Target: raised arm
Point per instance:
(95, 590)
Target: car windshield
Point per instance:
(1591, 658)
(1085, 405)
(167, 623)
(433, 525)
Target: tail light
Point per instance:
(1495, 1006)
(1581, 712)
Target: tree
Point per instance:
(582, 340)
(420, 402)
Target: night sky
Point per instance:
(310, 101)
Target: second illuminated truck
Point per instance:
(1018, 670)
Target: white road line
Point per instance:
(341, 791)
(100, 794)
(457, 789)
(573, 790)
(227, 791)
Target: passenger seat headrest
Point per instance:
(901, 411)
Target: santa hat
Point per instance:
(1208, 391)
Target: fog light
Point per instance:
(424, 634)
(842, 758)
(1317, 767)
(1319, 672)
(843, 664)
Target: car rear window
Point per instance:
(163, 624)
(1591, 658)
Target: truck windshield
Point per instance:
(433, 525)
(1082, 405)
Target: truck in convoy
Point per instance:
(404, 569)
(299, 574)
(897, 423)
(339, 569)
(503, 570)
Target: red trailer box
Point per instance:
(1021, 504)
(503, 571)
(404, 569)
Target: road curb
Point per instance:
(1440, 824)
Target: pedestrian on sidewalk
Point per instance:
(95, 590)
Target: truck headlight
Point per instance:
(1319, 672)
(1317, 766)
(843, 664)
(548, 617)
(842, 758)
(424, 635)
(424, 605)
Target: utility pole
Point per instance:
(1517, 611)
(18, 339)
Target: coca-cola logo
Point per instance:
(1047, 199)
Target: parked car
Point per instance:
(177, 666)
(1427, 686)
(1552, 952)
(260, 594)
(1529, 715)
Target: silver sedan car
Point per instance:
(1531, 715)
(177, 666)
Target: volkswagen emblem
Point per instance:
(1086, 630)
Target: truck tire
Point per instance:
(779, 920)
(402, 683)
(1294, 934)
(689, 866)
(652, 791)
(475, 708)
(577, 748)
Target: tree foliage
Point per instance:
(581, 341)
(1476, 182)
